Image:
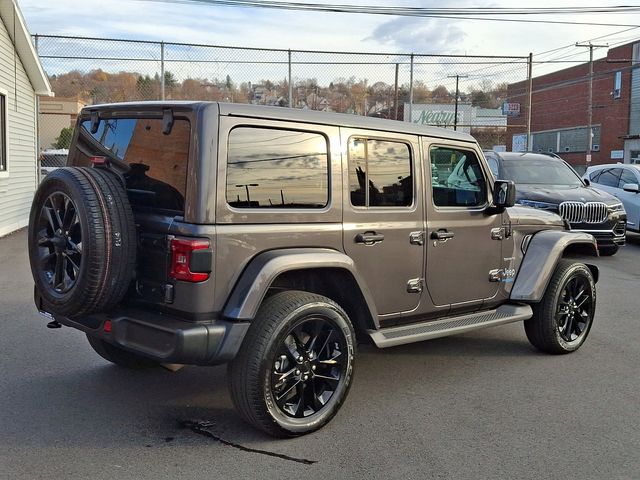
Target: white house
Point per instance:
(22, 79)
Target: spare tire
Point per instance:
(82, 241)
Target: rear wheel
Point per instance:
(295, 366)
(118, 356)
(562, 320)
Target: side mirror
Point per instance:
(631, 187)
(504, 193)
(586, 181)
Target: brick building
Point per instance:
(560, 109)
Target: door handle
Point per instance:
(369, 238)
(442, 235)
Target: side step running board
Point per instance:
(416, 332)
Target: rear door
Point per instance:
(384, 216)
(464, 241)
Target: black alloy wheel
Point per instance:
(295, 366)
(308, 367)
(59, 240)
(575, 309)
(562, 320)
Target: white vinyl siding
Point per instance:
(19, 180)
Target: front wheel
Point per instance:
(562, 320)
(295, 366)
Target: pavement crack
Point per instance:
(203, 428)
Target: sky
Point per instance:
(190, 22)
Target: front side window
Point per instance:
(609, 177)
(460, 179)
(276, 168)
(3, 133)
(627, 177)
(380, 173)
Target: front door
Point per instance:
(383, 216)
(463, 240)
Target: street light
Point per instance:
(246, 186)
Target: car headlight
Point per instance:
(536, 204)
(618, 207)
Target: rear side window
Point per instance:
(380, 173)
(157, 176)
(277, 168)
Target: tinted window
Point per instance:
(627, 177)
(460, 179)
(609, 177)
(274, 168)
(595, 175)
(535, 170)
(158, 162)
(385, 167)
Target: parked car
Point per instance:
(549, 183)
(623, 182)
(271, 238)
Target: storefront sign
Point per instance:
(511, 109)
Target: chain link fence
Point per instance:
(463, 92)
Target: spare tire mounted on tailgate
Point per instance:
(82, 241)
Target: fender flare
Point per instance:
(542, 255)
(262, 270)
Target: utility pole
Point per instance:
(455, 115)
(246, 186)
(590, 46)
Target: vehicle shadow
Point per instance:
(103, 405)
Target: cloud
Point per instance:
(420, 35)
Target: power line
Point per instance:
(446, 13)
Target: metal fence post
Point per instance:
(161, 70)
(410, 119)
(395, 88)
(290, 83)
(529, 101)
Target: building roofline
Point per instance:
(17, 29)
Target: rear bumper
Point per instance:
(165, 338)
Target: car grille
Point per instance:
(578, 212)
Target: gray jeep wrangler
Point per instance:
(275, 239)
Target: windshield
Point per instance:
(540, 172)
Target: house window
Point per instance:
(617, 84)
(3, 133)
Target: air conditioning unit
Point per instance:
(595, 147)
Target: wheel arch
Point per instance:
(322, 271)
(543, 253)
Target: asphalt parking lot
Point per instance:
(477, 406)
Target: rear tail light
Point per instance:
(190, 259)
